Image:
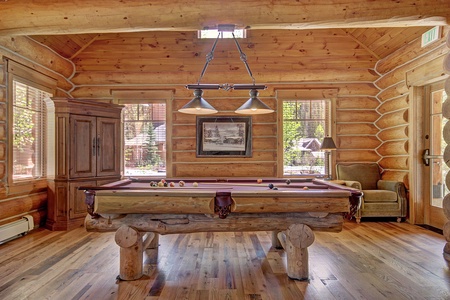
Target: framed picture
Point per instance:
(224, 136)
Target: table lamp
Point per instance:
(328, 145)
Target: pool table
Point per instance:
(138, 211)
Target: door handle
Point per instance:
(426, 157)
(94, 146)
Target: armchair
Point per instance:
(382, 198)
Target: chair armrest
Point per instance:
(395, 186)
(353, 184)
(390, 185)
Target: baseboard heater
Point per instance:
(17, 228)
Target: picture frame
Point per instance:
(224, 136)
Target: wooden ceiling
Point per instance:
(376, 42)
(283, 36)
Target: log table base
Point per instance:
(137, 232)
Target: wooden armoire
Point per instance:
(85, 151)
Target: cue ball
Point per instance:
(288, 181)
(259, 180)
(270, 185)
(195, 184)
(306, 188)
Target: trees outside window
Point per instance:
(145, 139)
(29, 119)
(305, 124)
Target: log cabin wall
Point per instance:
(394, 84)
(284, 60)
(29, 199)
(371, 99)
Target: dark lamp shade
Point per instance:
(198, 105)
(328, 144)
(254, 106)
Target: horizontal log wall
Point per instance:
(28, 199)
(355, 130)
(185, 162)
(394, 102)
(372, 105)
(283, 60)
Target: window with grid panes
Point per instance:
(305, 124)
(145, 139)
(29, 119)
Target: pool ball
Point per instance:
(306, 188)
(171, 184)
(160, 184)
(270, 185)
(152, 183)
(163, 180)
(181, 183)
(259, 180)
(288, 181)
(275, 188)
(195, 184)
(165, 184)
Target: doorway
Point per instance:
(435, 171)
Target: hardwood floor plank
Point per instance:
(371, 260)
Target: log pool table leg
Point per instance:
(132, 245)
(295, 241)
(154, 243)
(275, 241)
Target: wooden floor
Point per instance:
(367, 261)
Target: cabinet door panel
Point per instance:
(108, 134)
(83, 146)
(77, 204)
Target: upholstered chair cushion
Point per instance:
(380, 196)
(366, 174)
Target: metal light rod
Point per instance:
(249, 87)
(203, 86)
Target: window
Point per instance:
(29, 119)
(305, 124)
(145, 139)
(213, 33)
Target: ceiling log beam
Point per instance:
(22, 17)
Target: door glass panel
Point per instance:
(438, 168)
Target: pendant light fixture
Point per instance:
(200, 106)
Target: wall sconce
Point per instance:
(200, 106)
(328, 145)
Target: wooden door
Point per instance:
(108, 146)
(434, 185)
(83, 150)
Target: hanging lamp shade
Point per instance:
(198, 105)
(254, 106)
